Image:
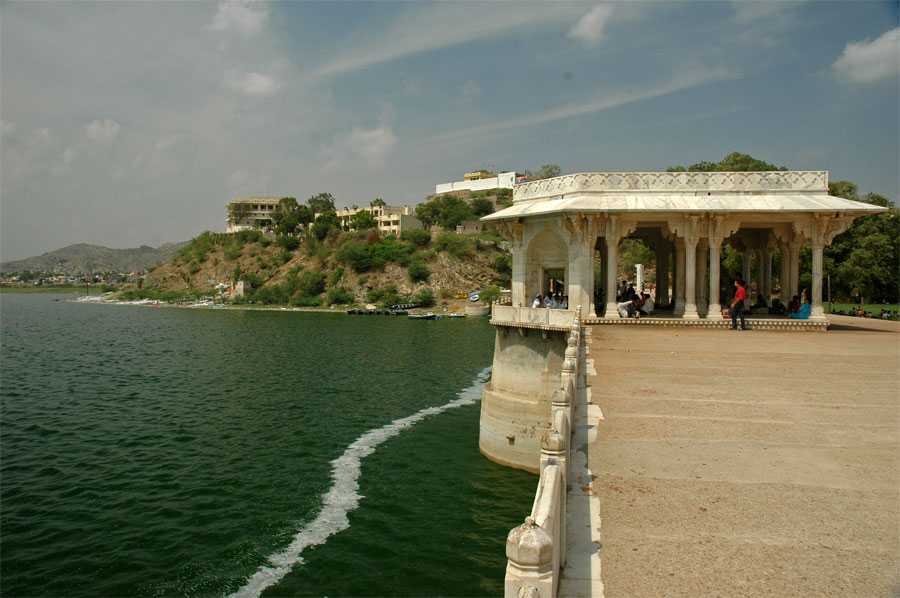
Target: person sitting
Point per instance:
(630, 293)
(794, 306)
(647, 305)
(625, 309)
(802, 313)
(549, 303)
(538, 302)
(565, 302)
(777, 307)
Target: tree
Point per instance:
(482, 207)
(377, 202)
(547, 171)
(326, 222)
(321, 203)
(446, 210)
(363, 220)
(285, 216)
(733, 162)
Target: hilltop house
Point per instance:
(245, 213)
(392, 220)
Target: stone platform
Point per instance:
(748, 463)
(754, 323)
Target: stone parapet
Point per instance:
(753, 324)
(789, 180)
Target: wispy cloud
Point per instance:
(102, 130)
(442, 25)
(240, 16)
(747, 11)
(372, 147)
(591, 28)
(869, 61)
(684, 80)
(251, 84)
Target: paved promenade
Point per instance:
(748, 463)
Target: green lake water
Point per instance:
(175, 452)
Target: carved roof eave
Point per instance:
(544, 208)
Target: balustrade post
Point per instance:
(529, 567)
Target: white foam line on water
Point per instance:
(343, 496)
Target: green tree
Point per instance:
(446, 210)
(733, 162)
(482, 207)
(325, 223)
(363, 220)
(418, 271)
(237, 211)
(321, 203)
(285, 216)
(547, 171)
(377, 202)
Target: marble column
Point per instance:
(767, 275)
(518, 276)
(715, 308)
(701, 286)
(795, 267)
(662, 272)
(690, 279)
(818, 311)
(612, 261)
(679, 276)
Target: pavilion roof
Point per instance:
(714, 192)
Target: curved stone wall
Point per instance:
(515, 407)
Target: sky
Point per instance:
(130, 123)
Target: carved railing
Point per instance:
(632, 182)
(538, 317)
(536, 550)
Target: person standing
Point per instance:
(737, 304)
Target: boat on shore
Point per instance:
(426, 316)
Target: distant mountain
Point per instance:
(83, 258)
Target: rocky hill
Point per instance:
(344, 268)
(83, 258)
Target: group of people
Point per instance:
(551, 301)
(632, 304)
(798, 309)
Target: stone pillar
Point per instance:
(690, 278)
(795, 267)
(518, 276)
(818, 311)
(767, 275)
(612, 260)
(580, 283)
(700, 285)
(662, 272)
(679, 276)
(715, 308)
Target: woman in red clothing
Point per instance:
(737, 304)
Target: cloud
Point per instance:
(747, 11)
(372, 147)
(7, 129)
(590, 28)
(687, 78)
(240, 16)
(870, 61)
(102, 130)
(443, 25)
(471, 90)
(251, 84)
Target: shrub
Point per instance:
(489, 294)
(285, 256)
(425, 297)
(265, 241)
(503, 265)
(233, 252)
(306, 301)
(356, 255)
(384, 297)
(456, 245)
(287, 242)
(311, 283)
(418, 271)
(447, 293)
(416, 236)
(336, 276)
(339, 296)
(193, 268)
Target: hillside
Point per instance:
(344, 268)
(84, 258)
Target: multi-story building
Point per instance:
(392, 220)
(246, 213)
(481, 180)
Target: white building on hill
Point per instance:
(481, 180)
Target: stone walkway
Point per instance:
(748, 463)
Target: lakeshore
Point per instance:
(748, 464)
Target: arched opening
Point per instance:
(547, 266)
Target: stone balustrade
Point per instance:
(536, 550)
(530, 317)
